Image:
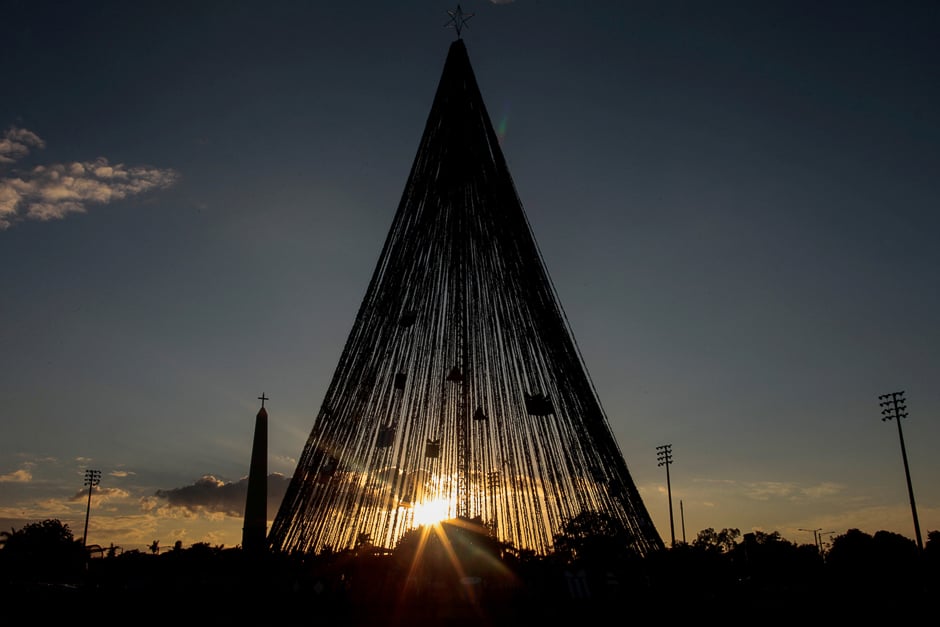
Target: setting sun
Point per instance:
(431, 512)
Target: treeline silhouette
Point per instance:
(456, 573)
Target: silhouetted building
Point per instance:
(255, 529)
(460, 391)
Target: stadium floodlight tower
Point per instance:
(894, 407)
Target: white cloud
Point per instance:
(52, 192)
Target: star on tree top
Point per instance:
(458, 19)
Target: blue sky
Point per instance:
(737, 203)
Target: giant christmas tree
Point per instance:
(460, 392)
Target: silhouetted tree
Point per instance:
(931, 559)
(883, 564)
(42, 552)
(409, 544)
(768, 560)
(701, 572)
(932, 547)
(593, 538)
(721, 541)
(885, 571)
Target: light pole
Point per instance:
(815, 538)
(92, 478)
(894, 408)
(682, 520)
(664, 455)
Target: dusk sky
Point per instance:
(737, 203)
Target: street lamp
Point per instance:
(894, 408)
(664, 455)
(92, 478)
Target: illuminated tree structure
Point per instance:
(460, 392)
